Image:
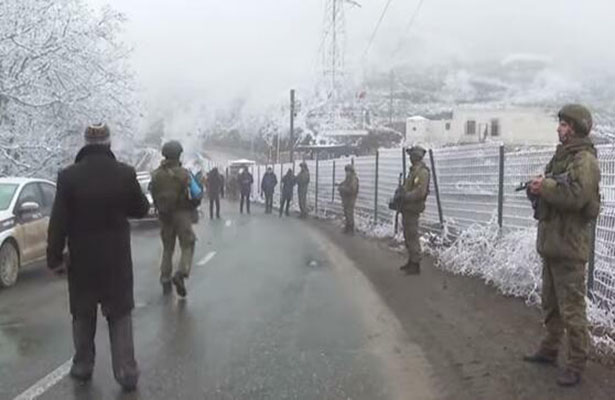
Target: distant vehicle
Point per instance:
(145, 179)
(25, 208)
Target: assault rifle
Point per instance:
(561, 179)
(396, 202)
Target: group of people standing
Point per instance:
(97, 195)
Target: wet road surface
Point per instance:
(275, 310)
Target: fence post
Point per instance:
(316, 189)
(333, 184)
(501, 189)
(376, 187)
(403, 161)
(258, 182)
(592, 260)
(437, 187)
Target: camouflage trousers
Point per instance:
(174, 227)
(411, 236)
(349, 213)
(564, 308)
(303, 207)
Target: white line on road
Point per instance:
(46, 383)
(207, 258)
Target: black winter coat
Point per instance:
(269, 182)
(94, 199)
(288, 183)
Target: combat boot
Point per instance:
(542, 357)
(569, 377)
(180, 287)
(413, 269)
(167, 288)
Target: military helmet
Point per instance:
(349, 168)
(580, 117)
(416, 151)
(172, 150)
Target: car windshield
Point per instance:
(6, 195)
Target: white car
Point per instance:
(145, 179)
(25, 208)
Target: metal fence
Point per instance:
(475, 184)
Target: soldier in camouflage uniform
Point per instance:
(303, 181)
(349, 189)
(171, 194)
(416, 189)
(566, 211)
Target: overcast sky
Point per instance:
(222, 49)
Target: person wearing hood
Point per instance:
(268, 184)
(288, 184)
(567, 209)
(349, 189)
(171, 193)
(303, 181)
(95, 198)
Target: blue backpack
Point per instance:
(196, 190)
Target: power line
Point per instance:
(413, 18)
(371, 40)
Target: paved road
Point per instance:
(275, 311)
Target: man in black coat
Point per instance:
(288, 183)
(94, 199)
(268, 185)
(215, 189)
(245, 181)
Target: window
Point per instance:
(49, 194)
(471, 127)
(6, 195)
(30, 193)
(447, 126)
(495, 127)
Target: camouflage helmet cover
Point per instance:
(580, 117)
(172, 150)
(349, 168)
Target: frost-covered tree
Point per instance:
(62, 66)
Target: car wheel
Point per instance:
(9, 264)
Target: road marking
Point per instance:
(228, 223)
(40, 387)
(207, 258)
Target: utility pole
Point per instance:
(391, 101)
(292, 125)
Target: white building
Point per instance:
(518, 126)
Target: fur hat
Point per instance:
(97, 134)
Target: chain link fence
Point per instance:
(476, 186)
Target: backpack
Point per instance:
(167, 190)
(196, 190)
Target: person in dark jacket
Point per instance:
(95, 197)
(245, 181)
(215, 189)
(288, 184)
(268, 185)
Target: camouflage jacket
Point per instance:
(170, 187)
(349, 188)
(303, 179)
(416, 189)
(567, 207)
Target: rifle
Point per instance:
(562, 179)
(397, 201)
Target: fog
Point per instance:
(202, 55)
